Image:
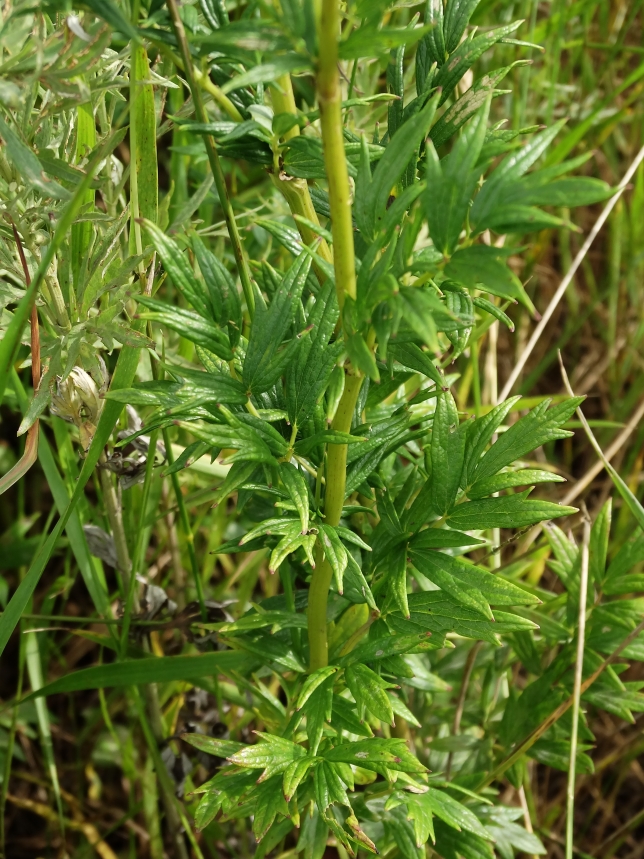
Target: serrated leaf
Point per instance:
(269, 327)
(375, 752)
(510, 479)
(269, 802)
(447, 452)
(28, 166)
(309, 375)
(334, 552)
(412, 356)
(508, 511)
(368, 689)
(294, 775)
(312, 682)
(483, 267)
(298, 491)
(272, 755)
(541, 425)
(495, 589)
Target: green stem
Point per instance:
(213, 158)
(329, 94)
(336, 476)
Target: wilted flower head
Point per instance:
(77, 400)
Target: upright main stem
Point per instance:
(329, 94)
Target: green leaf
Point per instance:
(269, 327)
(465, 55)
(177, 265)
(268, 804)
(494, 588)
(190, 325)
(373, 753)
(483, 267)
(304, 446)
(28, 166)
(451, 183)
(224, 299)
(212, 745)
(508, 511)
(272, 755)
(362, 356)
(467, 105)
(308, 375)
(454, 813)
(267, 72)
(538, 427)
(412, 356)
(163, 669)
(598, 547)
(334, 552)
(440, 569)
(298, 491)
(110, 12)
(312, 682)
(368, 690)
(294, 775)
(510, 479)
(457, 16)
(447, 452)
(397, 577)
(370, 41)
(405, 143)
(492, 195)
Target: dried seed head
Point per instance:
(77, 400)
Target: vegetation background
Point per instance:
(97, 771)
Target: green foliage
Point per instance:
(341, 442)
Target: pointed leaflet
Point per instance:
(412, 356)
(269, 803)
(495, 589)
(465, 107)
(294, 775)
(393, 164)
(368, 690)
(447, 451)
(510, 479)
(375, 752)
(492, 195)
(222, 292)
(598, 549)
(535, 429)
(272, 755)
(507, 511)
(318, 710)
(296, 486)
(334, 552)
(270, 326)
(479, 435)
(396, 565)
(437, 568)
(308, 375)
(192, 326)
(312, 682)
(177, 265)
(485, 268)
(457, 16)
(465, 55)
(451, 184)
(431, 48)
